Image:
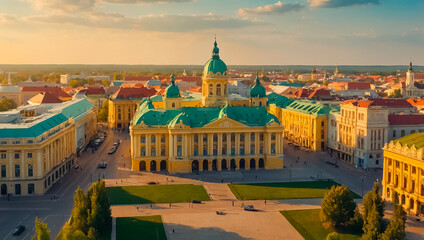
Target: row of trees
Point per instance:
(90, 220)
(339, 212)
(91, 217)
(6, 104)
(79, 82)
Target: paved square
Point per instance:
(235, 225)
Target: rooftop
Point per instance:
(411, 140)
(43, 98)
(56, 91)
(406, 119)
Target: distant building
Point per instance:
(66, 78)
(38, 144)
(11, 92)
(412, 89)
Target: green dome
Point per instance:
(215, 64)
(172, 91)
(258, 90)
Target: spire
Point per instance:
(215, 51)
(172, 79)
(410, 66)
(257, 81)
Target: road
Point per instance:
(24, 210)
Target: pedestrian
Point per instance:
(173, 231)
(137, 208)
(169, 205)
(265, 202)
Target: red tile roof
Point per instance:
(196, 89)
(93, 91)
(56, 91)
(358, 86)
(319, 92)
(134, 92)
(390, 103)
(44, 97)
(138, 78)
(406, 119)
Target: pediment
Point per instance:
(225, 122)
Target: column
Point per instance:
(148, 136)
(219, 144)
(171, 145)
(39, 166)
(11, 167)
(247, 143)
(210, 143)
(22, 164)
(237, 144)
(185, 145)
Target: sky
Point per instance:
(248, 32)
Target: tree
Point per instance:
(396, 93)
(80, 212)
(396, 227)
(356, 223)
(372, 226)
(69, 233)
(105, 83)
(41, 230)
(7, 104)
(337, 207)
(77, 82)
(104, 111)
(333, 236)
(100, 216)
(373, 197)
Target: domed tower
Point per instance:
(258, 94)
(215, 81)
(172, 97)
(410, 76)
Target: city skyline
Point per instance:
(365, 32)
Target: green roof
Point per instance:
(278, 100)
(416, 139)
(201, 116)
(310, 107)
(215, 64)
(76, 110)
(172, 91)
(258, 90)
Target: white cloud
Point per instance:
(340, 3)
(64, 5)
(145, 1)
(271, 9)
(154, 23)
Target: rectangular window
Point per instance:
(142, 139)
(17, 170)
(30, 141)
(215, 138)
(179, 150)
(414, 170)
(412, 131)
(273, 148)
(30, 171)
(252, 148)
(163, 151)
(30, 188)
(402, 133)
(162, 139)
(196, 151)
(153, 139)
(2, 155)
(261, 137)
(224, 137)
(224, 150)
(241, 137)
(241, 149)
(252, 137)
(29, 155)
(261, 149)
(3, 171)
(153, 151)
(17, 189)
(233, 150)
(394, 133)
(205, 150)
(143, 152)
(322, 124)
(196, 138)
(273, 136)
(179, 138)
(16, 155)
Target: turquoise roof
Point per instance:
(310, 107)
(278, 100)
(76, 110)
(172, 91)
(215, 64)
(201, 116)
(258, 90)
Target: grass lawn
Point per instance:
(307, 223)
(146, 227)
(282, 190)
(156, 194)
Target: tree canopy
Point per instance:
(7, 104)
(41, 230)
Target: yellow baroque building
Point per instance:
(403, 172)
(206, 133)
(37, 151)
(305, 124)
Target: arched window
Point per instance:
(210, 89)
(218, 89)
(260, 103)
(173, 105)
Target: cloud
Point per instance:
(272, 9)
(64, 5)
(154, 23)
(340, 3)
(145, 1)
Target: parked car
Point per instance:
(196, 201)
(102, 165)
(117, 142)
(112, 150)
(151, 183)
(18, 230)
(249, 208)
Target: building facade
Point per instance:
(412, 88)
(403, 172)
(36, 151)
(213, 135)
